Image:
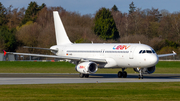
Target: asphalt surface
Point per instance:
(57, 78)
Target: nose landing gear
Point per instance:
(140, 73)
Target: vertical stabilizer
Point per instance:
(61, 36)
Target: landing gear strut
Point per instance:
(122, 74)
(81, 75)
(140, 73)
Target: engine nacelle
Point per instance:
(148, 70)
(87, 67)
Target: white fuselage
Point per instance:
(117, 55)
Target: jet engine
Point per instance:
(87, 67)
(148, 70)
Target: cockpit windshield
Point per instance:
(146, 51)
(153, 51)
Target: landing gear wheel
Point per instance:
(81, 75)
(120, 74)
(124, 74)
(86, 75)
(140, 76)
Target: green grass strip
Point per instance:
(100, 91)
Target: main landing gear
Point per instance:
(81, 75)
(122, 74)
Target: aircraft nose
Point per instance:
(153, 59)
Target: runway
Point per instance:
(57, 78)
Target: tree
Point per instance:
(105, 26)
(7, 39)
(131, 7)
(14, 16)
(3, 13)
(31, 12)
(114, 8)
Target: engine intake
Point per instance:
(87, 67)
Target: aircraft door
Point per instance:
(102, 52)
(131, 53)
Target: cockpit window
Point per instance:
(146, 51)
(153, 51)
(140, 51)
(143, 51)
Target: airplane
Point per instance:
(88, 57)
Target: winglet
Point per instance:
(174, 52)
(4, 52)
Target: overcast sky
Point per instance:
(91, 6)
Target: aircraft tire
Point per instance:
(120, 74)
(124, 74)
(86, 75)
(140, 76)
(81, 75)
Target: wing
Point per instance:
(164, 55)
(62, 57)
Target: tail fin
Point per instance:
(61, 36)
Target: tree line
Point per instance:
(34, 27)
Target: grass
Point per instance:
(168, 64)
(88, 92)
(36, 67)
(168, 67)
(65, 67)
(166, 91)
